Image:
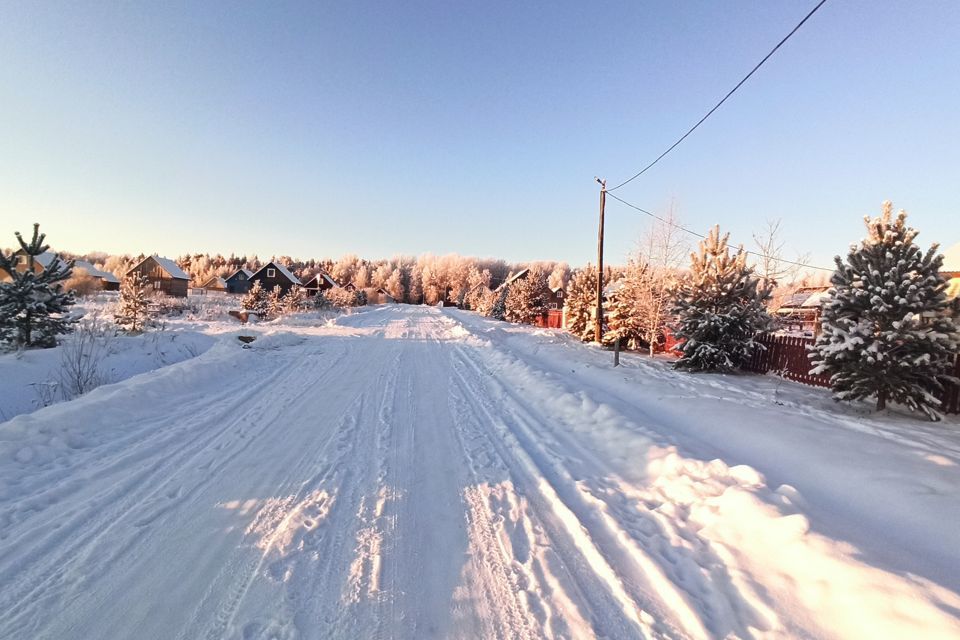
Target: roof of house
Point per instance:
(804, 298)
(246, 272)
(951, 258)
(94, 272)
(215, 281)
(167, 265)
(282, 269)
(323, 275)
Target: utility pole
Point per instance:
(598, 328)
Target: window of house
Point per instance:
(271, 273)
(156, 284)
(559, 294)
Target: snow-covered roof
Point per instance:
(215, 282)
(246, 272)
(282, 269)
(805, 298)
(951, 258)
(93, 272)
(45, 258)
(171, 268)
(323, 275)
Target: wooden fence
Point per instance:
(552, 319)
(788, 357)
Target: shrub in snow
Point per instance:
(255, 300)
(343, 298)
(581, 303)
(719, 308)
(320, 301)
(274, 302)
(134, 310)
(33, 305)
(886, 329)
(295, 300)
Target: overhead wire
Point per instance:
(724, 99)
(701, 236)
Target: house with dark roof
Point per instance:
(320, 282)
(164, 274)
(238, 281)
(273, 275)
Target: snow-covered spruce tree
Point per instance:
(526, 300)
(623, 311)
(886, 330)
(33, 305)
(295, 300)
(321, 302)
(255, 300)
(581, 303)
(719, 306)
(499, 309)
(133, 312)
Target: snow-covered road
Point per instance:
(410, 472)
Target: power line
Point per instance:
(701, 236)
(717, 106)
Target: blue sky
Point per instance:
(313, 129)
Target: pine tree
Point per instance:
(499, 309)
(33, 305)
(134, 305)
(886, 326)
(581, 303)
(623, 311)
(720, 307)
(255, 300)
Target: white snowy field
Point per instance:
(411, 472)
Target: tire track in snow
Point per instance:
(43, 586)
(599, 552)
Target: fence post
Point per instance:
(616, 352)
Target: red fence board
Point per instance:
(787, 356)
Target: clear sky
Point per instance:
(315, 129)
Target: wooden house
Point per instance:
(273, 275)
(216, 284)
(21, 263)
(350, 287)
(106, 280)
(164, 275)
(383, 296)
(802, 309)
(320, 282)
(556, 298)
(238, 281)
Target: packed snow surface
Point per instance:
(411, 472)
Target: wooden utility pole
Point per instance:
(598, 328)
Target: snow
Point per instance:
(417, 472)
